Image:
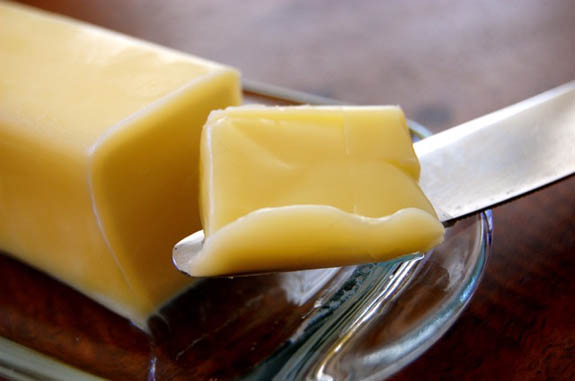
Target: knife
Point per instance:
(500, 156)
(478, 164)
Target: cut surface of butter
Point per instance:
(286, 188)
(99, 147)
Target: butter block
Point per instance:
(286, 188)
(99, 149)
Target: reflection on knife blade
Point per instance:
(499, 156)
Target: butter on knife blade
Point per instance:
(289, 188)
(464, 170)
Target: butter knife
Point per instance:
(480, 163)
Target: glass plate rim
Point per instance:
(24, 368)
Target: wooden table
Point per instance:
(445, 62)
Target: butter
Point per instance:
(99, 148)
(286, 188)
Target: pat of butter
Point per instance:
(99, 148)
(286, 188)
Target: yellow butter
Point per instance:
(99, 141)
(285, 188)
(300, 237)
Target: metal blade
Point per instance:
(501, 155)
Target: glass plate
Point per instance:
(363, 322)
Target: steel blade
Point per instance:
(501, 155)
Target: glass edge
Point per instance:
(293, 362)
(18, 362)
(454, 307)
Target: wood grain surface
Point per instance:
(445, 62)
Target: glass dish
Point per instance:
(363, 322)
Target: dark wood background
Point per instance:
(445, 62)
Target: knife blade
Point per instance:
(500, 156)
(483, 162)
